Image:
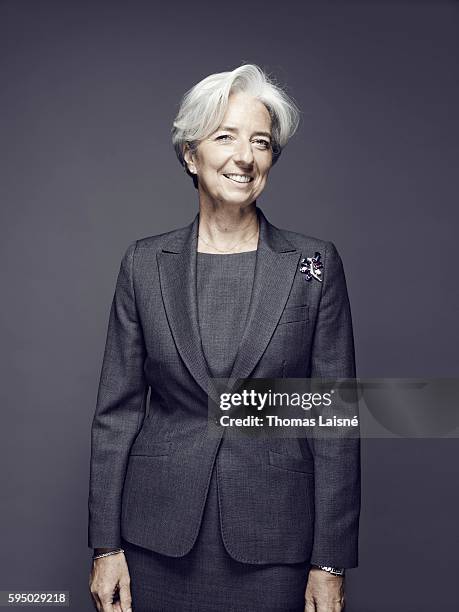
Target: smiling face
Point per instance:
(233, 163)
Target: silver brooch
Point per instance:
(311, 267)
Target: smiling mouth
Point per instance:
(239, 178)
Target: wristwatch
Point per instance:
(336, 571)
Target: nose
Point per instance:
(243, 153)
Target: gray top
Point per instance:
(224, 288)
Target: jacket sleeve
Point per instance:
(336, 457)
(120, 409)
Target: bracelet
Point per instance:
(112, 552)
(335, 571)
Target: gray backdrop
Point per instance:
(88, 94)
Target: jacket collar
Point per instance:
(270, 237)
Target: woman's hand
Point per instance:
(324, 592)
(109, 580)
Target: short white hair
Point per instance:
(203, 107)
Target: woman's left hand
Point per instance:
(324, 592)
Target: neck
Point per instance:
(230, 229)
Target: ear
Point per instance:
(188, 157)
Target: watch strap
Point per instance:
(336, 571)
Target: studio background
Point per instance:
(88, 94)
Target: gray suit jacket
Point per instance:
(281, 500)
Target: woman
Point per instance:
(179, 519)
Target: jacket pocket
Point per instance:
(292, 314)
(288, 462)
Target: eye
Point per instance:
(264, 143)
(223, 137)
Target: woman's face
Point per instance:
(233, 163)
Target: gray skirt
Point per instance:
(207, 579)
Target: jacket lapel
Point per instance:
(177, 272)
(276, 263)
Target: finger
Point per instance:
(97, 602)
(125, 597)
(94, 596)
(106, 599)
(310, 605)
(323, 607)
(339, 606)
(334, 606)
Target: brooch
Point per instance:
(311, 267)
